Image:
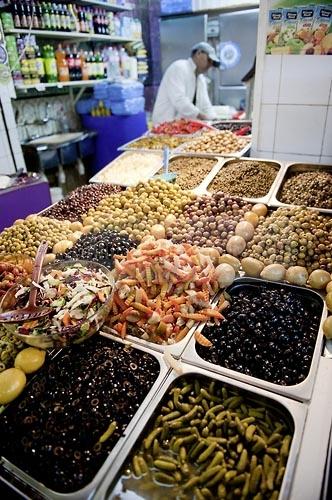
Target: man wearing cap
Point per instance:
(183, 89)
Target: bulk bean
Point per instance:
(311, 188)
(248, 178)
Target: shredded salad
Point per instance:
(75, 293)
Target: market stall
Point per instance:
(179, 343)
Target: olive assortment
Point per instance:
(293, 237)
(79, 201)
(64, 417)
(208, 439)
(100, 247)
(269, 332)
(209, 221)
(311, 188)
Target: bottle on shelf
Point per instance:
(40, 65)
(84, 65)
(92, 66)
(50, 64)
(23, 17)
(16, 15)
(51, 11)
(124, 63)
(77, 64)
(35, 19)
(28, 14)
(99, 66)
(61, 63)
(70, 63)
(74, 23)
(46, 19)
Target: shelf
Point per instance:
(104, 5)
(43, 86)
(69, 35)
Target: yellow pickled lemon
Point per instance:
(12, 383)
(30, 359)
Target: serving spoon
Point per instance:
(31, 311)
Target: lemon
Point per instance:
(30, 359)
(12, 383)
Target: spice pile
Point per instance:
(162, 289)
(313, 189)
(251, 179)
(210, 440)
(78, 202)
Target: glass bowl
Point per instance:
(67, 335)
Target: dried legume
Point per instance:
(251, 179)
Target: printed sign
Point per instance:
(303, 29)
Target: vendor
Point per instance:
(183, 89)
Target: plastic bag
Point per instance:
(128, 89)
(128, 106)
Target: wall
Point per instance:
(11, 158)
(292, 118)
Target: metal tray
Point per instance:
(242, 123)
(301, 391)
(288, 170)
(236, 154)
(294, 410)
(129, 146)
(193, 155)
(87, 492)
(175, 349)
(96, 178)
(264, 199)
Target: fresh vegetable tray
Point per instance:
(88, 489)
(301, 391)
(294, 412)
(289, 169)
